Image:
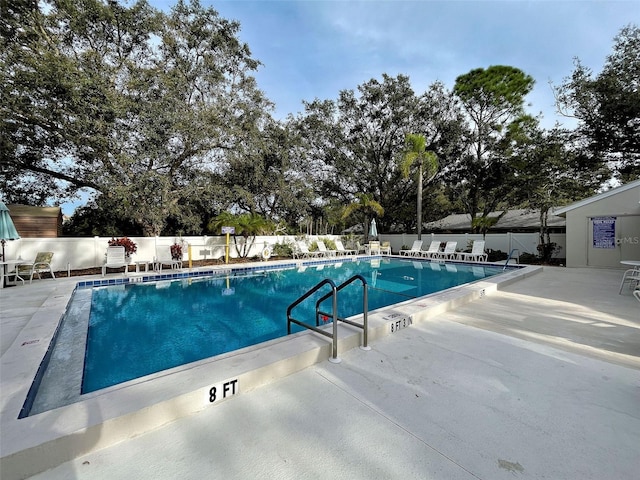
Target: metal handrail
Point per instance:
(334, 336)
(333, 293)
(510, 257)
(365, 308)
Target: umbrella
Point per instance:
(7, 228)
(373, 231)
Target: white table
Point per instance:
(6, 268)
(142, 262)
(631, 263)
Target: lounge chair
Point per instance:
(322, 248)
(116, 258)
(477, 253)
(415, 249)
(302, 251)
(433, 250)
(163, 257)
(343, 251)
(449, 251)
(41, 264)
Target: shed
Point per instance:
(604, 229)
(36, 222)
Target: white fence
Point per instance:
(74, 253)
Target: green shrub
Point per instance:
(283, 250)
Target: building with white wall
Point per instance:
(604, 229)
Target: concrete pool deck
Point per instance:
(539, 378)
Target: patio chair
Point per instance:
(41, 264)
(116, 258)
(477, 253)
(322, 248)
(449, 251)
(632, 276)
(373, 247)
(415, 249)
(163, 257)
(343, 251)
(385, 248)
(302, 251)
(434, 248)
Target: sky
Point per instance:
(315, 48)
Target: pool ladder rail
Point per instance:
(511, 255)
(334, 314)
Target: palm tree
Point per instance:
(246, 225)
(427, 162)
(366, 208)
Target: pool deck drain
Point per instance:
(53, 437)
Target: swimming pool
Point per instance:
(139, 329)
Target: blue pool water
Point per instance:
(140, 329)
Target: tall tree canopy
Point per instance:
(354, 145)
(492, 99)
(608, 105)
(131, 102)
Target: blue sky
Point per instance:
(315, 48)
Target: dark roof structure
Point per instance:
(521, 220)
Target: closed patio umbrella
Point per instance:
(7, 228)
(373, 231)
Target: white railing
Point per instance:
(76, 253)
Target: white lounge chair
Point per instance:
(434, 248)
(302, 251)
(163, 257)
(322, 248)
(116, 258)
(477, 253)
(343, 251)
(41, 264)
(415, 249)
(449, 252)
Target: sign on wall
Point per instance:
(604, 232)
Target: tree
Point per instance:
(365, 208)
(352, 144)
(607, 106)
(492, 98)
(441, 122)
(550, 174)
(417, 155)
(262, 176)
(131, 102)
